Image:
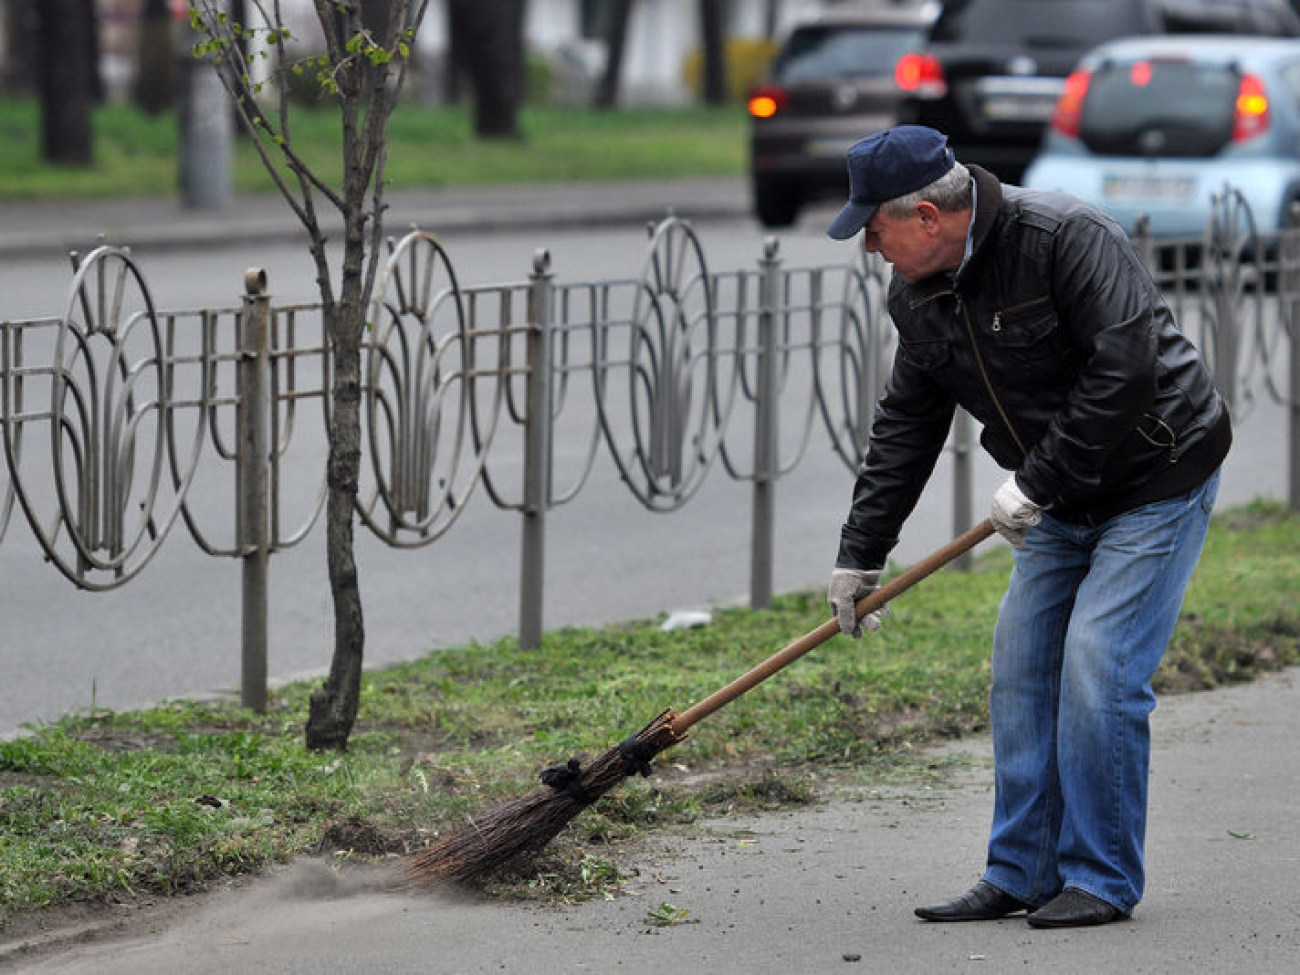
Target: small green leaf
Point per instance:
(666, 915)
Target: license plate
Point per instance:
(1148, 187)
(1018, 108)
(828, 148)
(1017, 99)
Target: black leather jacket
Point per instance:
(1054, 337)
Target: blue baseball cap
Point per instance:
(889, 164)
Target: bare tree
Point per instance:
(487, 42)
(65, 81)
(155, 66)
(615, 44)
(363, 70)
(713, 43)
(90, 48)
(21, 49)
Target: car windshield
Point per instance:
(1073, 24)
(814, 53)
(1159, 108)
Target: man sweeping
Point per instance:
(1032, 312)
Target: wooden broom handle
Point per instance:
(814, 639)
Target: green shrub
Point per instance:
(746, 58)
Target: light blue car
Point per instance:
(1159, 125)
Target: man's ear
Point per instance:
(929, 215)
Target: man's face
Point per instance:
(911, 243)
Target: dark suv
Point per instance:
(990, 74)
(831, 84)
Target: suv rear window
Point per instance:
(1159, 107)
(1070, 24)
(1044, 24)
(826, 51)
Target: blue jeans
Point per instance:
(1085, 620)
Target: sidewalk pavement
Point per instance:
(45, 229)
(826, 890)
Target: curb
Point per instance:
(39, 230)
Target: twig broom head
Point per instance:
(526, 825)
(523, 826)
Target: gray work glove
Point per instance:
(847, 588)
(1013, 514)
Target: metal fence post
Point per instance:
(766, 430)
(962, 482)
(537, 453)
(1293, 494)
(253, 473)
(1289, 292)
(1224, 280)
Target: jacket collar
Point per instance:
(988, 206)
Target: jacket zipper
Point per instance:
(984, 373)
(997, 315)
(1171, 445)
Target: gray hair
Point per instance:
(949, 192)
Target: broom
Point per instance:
(521, 827)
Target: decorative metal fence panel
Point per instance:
(122, 421)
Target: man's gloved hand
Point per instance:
(847, 588)
(1013, 514)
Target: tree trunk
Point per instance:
(65, 84)
(334, 706)
(22, 46)
(456, 64)
(90, 49)
(375, 15)
(491, 32)
(365, 89)
(714, 50)
(155, 66)
(615, 45)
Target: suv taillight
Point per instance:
(920, 75)
(1251, 116)
(766, 100)
(1069, 107)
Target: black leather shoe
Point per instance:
(983, 902)
(1073, 908)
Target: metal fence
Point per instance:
(122, 421)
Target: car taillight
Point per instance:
(1069, 107)
(920, 75)
(1251, 118)
(766, 100)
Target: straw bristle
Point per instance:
(523, 826)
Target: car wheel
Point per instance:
(776, 203)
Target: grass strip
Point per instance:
(106, 805)
(136, 154)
